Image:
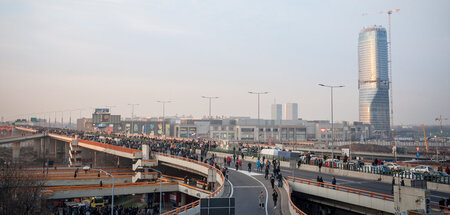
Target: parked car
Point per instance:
(332, 163)
(355, 164)
(380, 169)
(422, 169)
(395, 167)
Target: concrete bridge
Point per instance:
(65, 148)
(64, 192)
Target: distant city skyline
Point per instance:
(69, 55)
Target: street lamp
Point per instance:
(259, 123)
(87, 168)
(210, 117)
(332, 121)
(164, 115)
(209, 98)
(132, 116)
(160, 194)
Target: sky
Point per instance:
(66, 55)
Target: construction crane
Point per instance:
(442, 139)
(425, 137)
(389, 12)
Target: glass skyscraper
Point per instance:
(373, 81)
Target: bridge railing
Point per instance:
(292, 206)
(196, 203)
(342, 188)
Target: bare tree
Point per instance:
(19, 193)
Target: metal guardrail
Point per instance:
(196, 203)
(343, 189)
(385, 171)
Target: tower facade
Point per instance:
(373, 82)
(277, 112)
(291, 111)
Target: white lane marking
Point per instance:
(249, 173)
(267, 192)
(232, 188)
(237, 187)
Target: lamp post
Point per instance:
(164, 115)
(132, 116)
(160, 194)
(332, 120)
(209, 98)
(86, 168)
(210, 117)
(259, 119)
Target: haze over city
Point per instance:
(65, 55)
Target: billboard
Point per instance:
(101, 110)
(104, 118)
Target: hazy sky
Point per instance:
(62, 55)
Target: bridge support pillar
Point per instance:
(66, 152)
(16, 151)
(410, 198)
(56, 149)
(42, 146)
(183, 199)
(145, 152)
(37, 147)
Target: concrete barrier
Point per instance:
(337, 194)
(192, 208)
(292, 208)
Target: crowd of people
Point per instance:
(135, 141)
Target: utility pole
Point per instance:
(132, 117)
(442, 139)
(332, 120)
(259, 118)
(164, 115)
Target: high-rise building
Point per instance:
(277, 112)
(290, 111)
(373, 81)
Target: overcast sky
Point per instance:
(63, 55)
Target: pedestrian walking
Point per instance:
(320, 165)
(261, 199)
(280, 180)
(333, 182)
(249, 167)
(266, 173)
(272, 181)
(274, 198)
(237, 166)
(402, 182)
(393, 184)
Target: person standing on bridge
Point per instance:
(266, 173)
(261, 199)
(333, 182)
(393, 184)
(272, 181)
(274, 198)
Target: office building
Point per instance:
(277, 112)
(373, 81)
(290, 111)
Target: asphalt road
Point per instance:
(246, 190)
